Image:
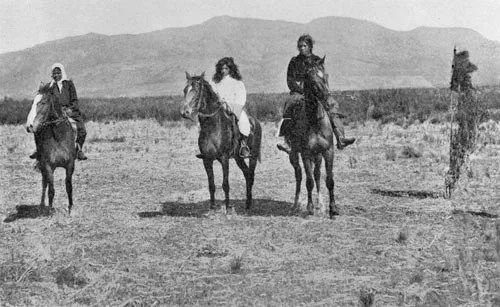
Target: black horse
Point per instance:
(218, 138)
(312, 138)
(55, 140)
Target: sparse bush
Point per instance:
(410, 152)
(367, 297)
(417, 278)
(402, 237)
(390, 154)
(236, 264)
(71, 277)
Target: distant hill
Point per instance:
(359, 55)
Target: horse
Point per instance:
(217, 138)
(55, 140)
(312, 139)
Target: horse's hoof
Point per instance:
(210, 214)
(334, 214)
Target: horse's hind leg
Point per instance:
(318, 159)
(208, 164)
(69, 186)
(330, 184)
(248, 172)
(225, 186)
(294, 161)
(250, 181)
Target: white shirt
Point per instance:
(231, 91)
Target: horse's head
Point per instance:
(47, 108)
(198, 94)
(316, 87)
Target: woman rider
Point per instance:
(231, 91)
(65, 91)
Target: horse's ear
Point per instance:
(41, 85)
(203, 75)
(188, 76)
(322, 61)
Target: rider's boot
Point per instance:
(338, 130)
(284, 130)
(79, 152)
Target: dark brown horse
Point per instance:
(312, 138)
(217, 138)
(55, 140)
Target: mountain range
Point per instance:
(359, 55)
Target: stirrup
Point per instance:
(34, 155)
(286, 148)
(345, 142)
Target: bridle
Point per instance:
(199, 101)
(60, 117)
(325, 91)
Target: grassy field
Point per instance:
(138, 236)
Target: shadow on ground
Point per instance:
(408, 193)
(28, 212)
(260, 207)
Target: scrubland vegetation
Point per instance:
(391, 105)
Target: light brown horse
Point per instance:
(55, 140)
(312, 138)
(217, 138)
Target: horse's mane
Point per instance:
(212, 96)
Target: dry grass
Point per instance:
(138, 236)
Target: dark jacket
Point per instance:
(296, 72)
(67, 96)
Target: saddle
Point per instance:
(235, 148)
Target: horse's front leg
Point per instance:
(44, 190)
(307, 160)
(228, 208)
(318, 159)
(330, 183)
(294, 161)
(208, 164)
(52, 192)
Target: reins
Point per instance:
(199, 99)
(60, 118)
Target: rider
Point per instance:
(231, 91)
(295, 81)
(64, 89)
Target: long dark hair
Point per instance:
(306, 38)
(234, 72)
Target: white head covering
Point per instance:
(63, 72)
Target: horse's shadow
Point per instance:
(260, 207)
(420, 194)
(28, 212)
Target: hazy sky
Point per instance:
(25, 23)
